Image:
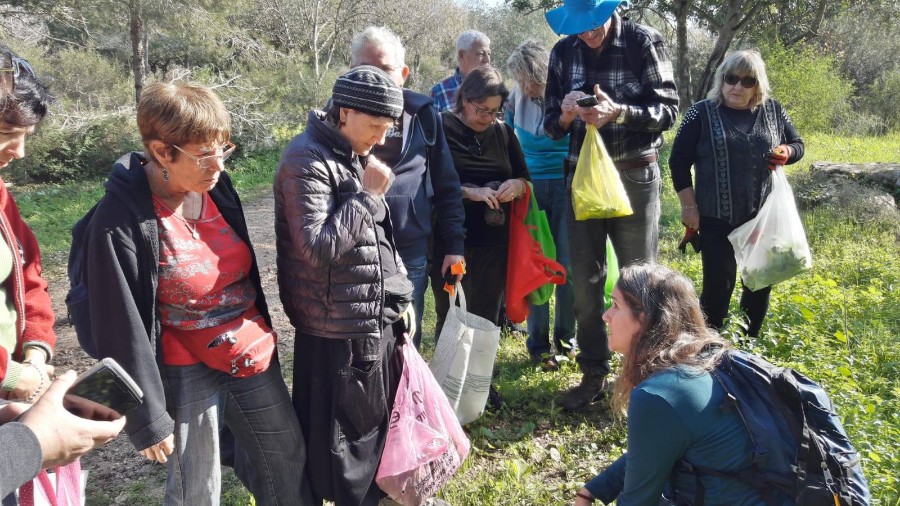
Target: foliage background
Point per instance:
(273, 60)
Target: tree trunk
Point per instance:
(683, 68)
(731, 27)
(137, 49)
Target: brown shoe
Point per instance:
(546, 363)
(591, 389)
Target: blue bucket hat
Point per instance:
(578, 16)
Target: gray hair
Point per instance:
(467, 38)
(748, 62)
(378, 37)
(528, 63)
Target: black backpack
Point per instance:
(801, 453)
(77, 298)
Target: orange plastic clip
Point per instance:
(455, 269)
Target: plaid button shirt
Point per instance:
(444, 92)
(651, 99)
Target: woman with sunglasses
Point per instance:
(174, 296)
(492, 172)
(732, 139)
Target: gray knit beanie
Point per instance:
(368, 89)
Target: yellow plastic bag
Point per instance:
(597, 191)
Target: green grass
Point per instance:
(838, 323)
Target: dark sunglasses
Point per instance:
(746, 81)
(9, 74)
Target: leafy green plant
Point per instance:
(807, 82)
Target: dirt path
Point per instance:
(118, 474)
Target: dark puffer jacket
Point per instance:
(329, 265)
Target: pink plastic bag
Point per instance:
(68, 489)
(425, 443)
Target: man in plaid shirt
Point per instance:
(626, 67)
(473, 49)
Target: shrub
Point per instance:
(57, 154)
(883, 100)
(809, 86)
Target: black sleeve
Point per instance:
(684, 149)
(447, 192)
(117, 289)
(791, 137)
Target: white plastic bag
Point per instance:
(772, 246)
(463, 361)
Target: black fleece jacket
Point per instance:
(122, 251)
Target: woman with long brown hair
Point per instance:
(672, 401)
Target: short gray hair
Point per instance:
(528, 63)
(745, 61)
(465, 40)
(378, 37)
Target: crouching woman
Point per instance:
(672, 400)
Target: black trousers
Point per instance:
(484, 285)
(719, 274)
(343, 406)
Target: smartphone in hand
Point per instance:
(587, 101)
(103, 392)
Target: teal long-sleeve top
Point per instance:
(678, 414)
(543, 156)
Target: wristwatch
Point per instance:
(620, 119)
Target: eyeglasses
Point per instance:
(209, 161)
(8, 75)
(485, 113)
(746, 81)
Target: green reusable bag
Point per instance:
(539, 228)
(612, 273)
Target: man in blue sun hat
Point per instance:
(626, 67)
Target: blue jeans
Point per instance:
(417, 272)
(258, 411)
(635, 239)
(551, 196)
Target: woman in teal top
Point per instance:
(672, 401)
(544, 157)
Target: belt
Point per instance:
(636, 163)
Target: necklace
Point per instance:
(190, 205)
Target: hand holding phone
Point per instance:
(587, 101)
(103, 392)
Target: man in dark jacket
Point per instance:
(342, 283)
(425, 180)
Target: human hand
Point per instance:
(33, 380)
(160, 451)
(377, 177)
(511, 189)
(449, 261)
(569, 106)
(10, 410)
(778, 156)
(604, 112)
(63, 436)
(584, 498)
(690, 217)
(483, 194)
